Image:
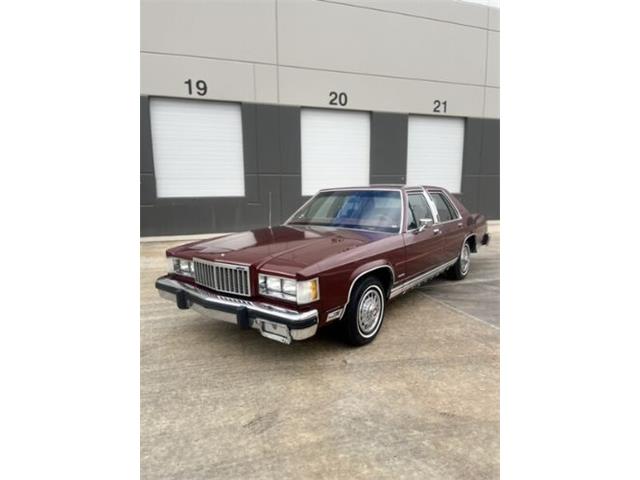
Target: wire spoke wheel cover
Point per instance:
(370, 311)
(465, 259)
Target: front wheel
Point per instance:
(365, 312)
(461, 268)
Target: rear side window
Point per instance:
(446, 211)
(418, 208)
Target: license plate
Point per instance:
(275, 328)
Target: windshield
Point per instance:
(377, 210)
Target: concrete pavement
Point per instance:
(422, 401)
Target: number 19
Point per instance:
(201, 87)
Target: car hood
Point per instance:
(283, 249)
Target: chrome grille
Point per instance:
(222, 277)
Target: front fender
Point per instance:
(362, 270)
(338, 285)
(371, 266)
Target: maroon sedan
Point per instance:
(340, 258)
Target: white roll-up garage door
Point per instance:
(335, 149)
(197, 148)
(434, 152)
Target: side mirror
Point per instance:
(424, 223)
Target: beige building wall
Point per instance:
(404, 56)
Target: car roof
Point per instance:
(381, 186)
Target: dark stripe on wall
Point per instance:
(388, 148)
(147, 179)
(481, 167)
(272, 162)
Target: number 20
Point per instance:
(336, 98)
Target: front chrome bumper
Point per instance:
(275, 323)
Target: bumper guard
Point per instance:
(273, 322)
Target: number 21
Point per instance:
(439, 103)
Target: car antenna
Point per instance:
(269, 209)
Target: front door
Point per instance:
(423, 248)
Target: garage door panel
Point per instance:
(197, 148)
(434, 152)
(335, 149)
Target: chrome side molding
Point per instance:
(414, 282)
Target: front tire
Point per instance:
(461, 268)
(365, 312)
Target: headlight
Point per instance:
(289, 286)
(301, 292)
(180, 266)
(274, 284)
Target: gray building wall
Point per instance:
(387, 55)
(391, 57)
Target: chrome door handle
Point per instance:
(436, 231)
(460, 224)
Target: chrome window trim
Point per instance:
(402, 207)
(434, 211)
(370, 187)
(451, 203)
(300, 208)
(293, 225)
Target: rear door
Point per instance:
(449, 224)
(423, 248)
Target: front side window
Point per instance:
(418, 209)
(377, 210)
(446, 211)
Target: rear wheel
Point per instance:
(461, 268)
(365, 312)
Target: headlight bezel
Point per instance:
(180, 266)
(306, 291)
